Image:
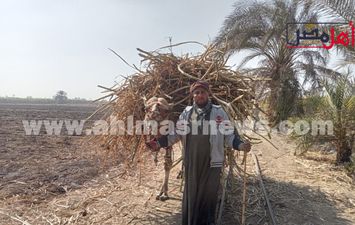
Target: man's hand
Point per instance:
(153, 145)
(246, 147)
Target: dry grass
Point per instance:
(169, 76)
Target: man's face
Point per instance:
(200, 96)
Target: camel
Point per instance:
(158, 109)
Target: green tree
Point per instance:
(340, 10)
(340, 107)
(259, 28)
(61, 97)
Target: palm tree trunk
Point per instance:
(344, 149)
(344, 152)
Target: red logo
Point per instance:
(219, 119)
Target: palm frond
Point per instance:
(343, 8)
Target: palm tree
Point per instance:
(259, 28)
(337, 104)
(338, 8)
(343, 10)
(340, 104)
(340, 107)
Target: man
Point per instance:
(203, 154)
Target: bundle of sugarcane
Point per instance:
(169, 76)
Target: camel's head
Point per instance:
(157, 109)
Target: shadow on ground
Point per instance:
(161, 217)
(292, 204)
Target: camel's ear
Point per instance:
(171, 105)
(150, 102)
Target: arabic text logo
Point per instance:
(320, 35)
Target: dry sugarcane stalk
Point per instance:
(176, 162)
(258, 173)
(244, 188)
(220, 212)
(169, 76)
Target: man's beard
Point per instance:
(201, 105)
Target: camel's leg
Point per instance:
(182, 176)
(163, 195)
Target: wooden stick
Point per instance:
(182, 43)
(186, 74)
(176, 162)
(244, 204)
(258, 173)
(219, 218)
(273, 145)
(123, 59)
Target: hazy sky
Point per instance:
(51, 45)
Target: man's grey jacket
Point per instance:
(221, 130)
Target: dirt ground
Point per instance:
(60, 180)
